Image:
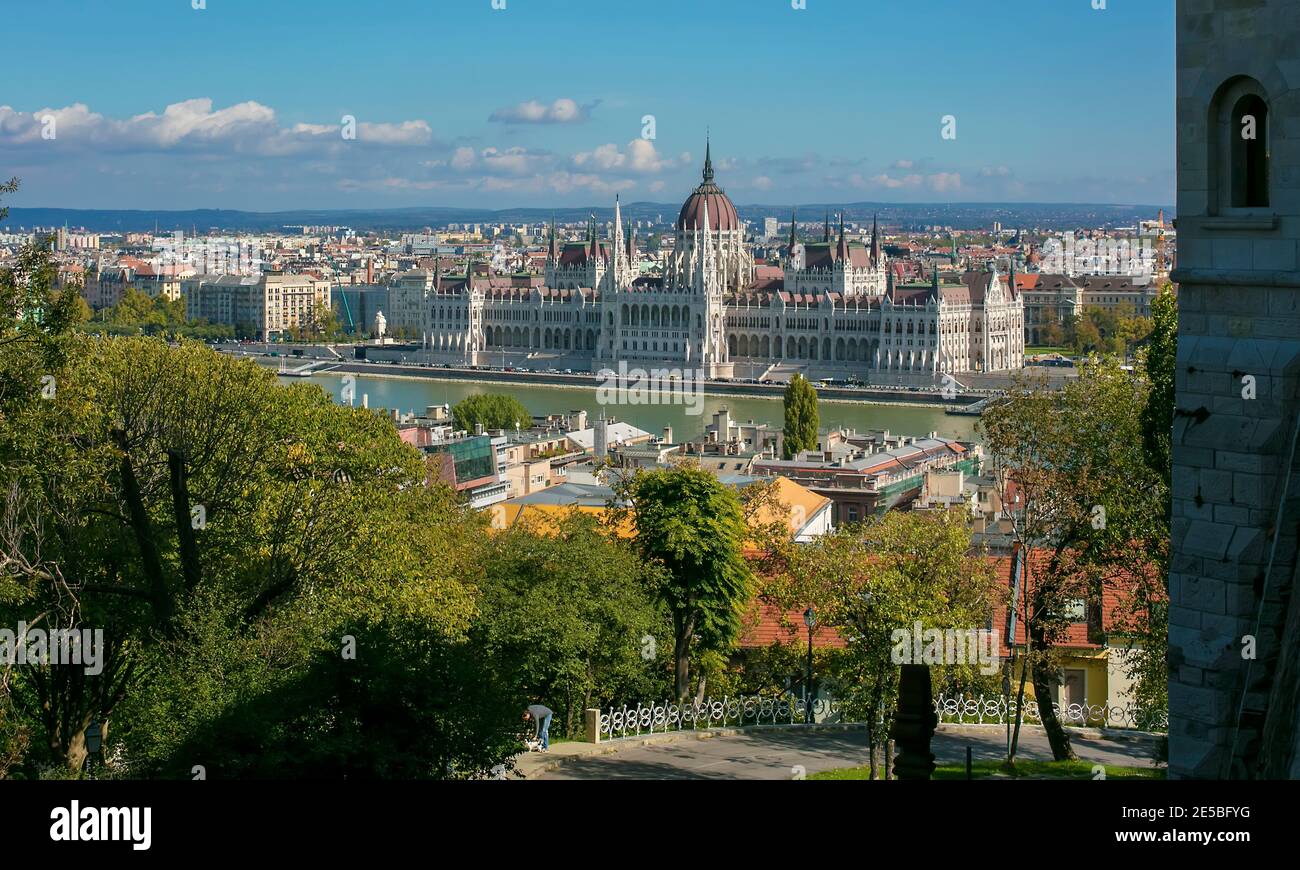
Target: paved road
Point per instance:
(773, 755)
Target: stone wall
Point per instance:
(1238, 370)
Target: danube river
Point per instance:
(415, 394)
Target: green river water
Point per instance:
(415, 394)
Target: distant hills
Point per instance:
(966, 216)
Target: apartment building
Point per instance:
(265, 308)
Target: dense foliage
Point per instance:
(1093, 510)
(138, 314)
(491, 411)
(1116, 331)
(691, 527)
(801, 417)
(868, 581)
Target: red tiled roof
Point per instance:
(768, 625)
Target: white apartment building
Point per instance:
(264, 308)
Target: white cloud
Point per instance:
(514, 161)
(940, 182)
(638, 156)
(762, 182)
(195, 126)
(943, 182)
(562, 111)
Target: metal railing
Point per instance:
(665, 716)
(661, 717)
(995, 710)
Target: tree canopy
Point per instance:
(801, 417)
(492, 411)
(692, 527)
(1088, 500)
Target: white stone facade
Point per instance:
(711, 310)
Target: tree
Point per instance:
(692, 527)
(326, 324)
(570, 612)
(1147, 615)
(870, 580)
(158, 478)
(1089, 509)
(1159, 361)
(492, 411)
(801, 421)
(34, 322)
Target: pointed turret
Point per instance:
(593, 247)
(794, 237)
(875, 240)
(705, 262)
(708, 161)
(843, 249)
(618, 235)
(553, 253)
(826, 229)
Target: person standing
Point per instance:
(542, 716)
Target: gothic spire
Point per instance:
(826, 228)
(708, 161)
(844, 244)
(617, 241)
(875, 240)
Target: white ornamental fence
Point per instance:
(661, 717)
(656, 718)
(995, 710)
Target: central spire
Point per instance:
(708, 161)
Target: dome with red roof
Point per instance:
(722, 213)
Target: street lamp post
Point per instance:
(94, 742)
(810, 620)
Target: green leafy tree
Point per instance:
(1147, 615)
(1089, 510)
(1159, 360)
(692, 528)
(35, 319)
(801, 420)
(492, 411)
(308, 514)
(571, 610)
(868, 581)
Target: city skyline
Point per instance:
(470, 106)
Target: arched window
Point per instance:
(1250, 153)
(1238, 144)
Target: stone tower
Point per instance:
(1235, 490)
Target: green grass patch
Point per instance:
(1027, 769)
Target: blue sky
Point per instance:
(240, 104)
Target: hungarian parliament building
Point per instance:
(833, 306)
